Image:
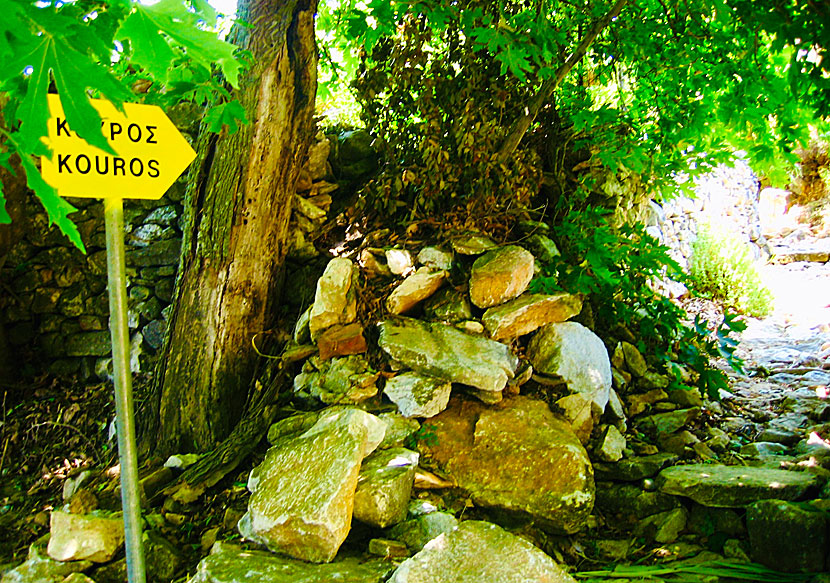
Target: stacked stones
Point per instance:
(457, 370)
(59, 306)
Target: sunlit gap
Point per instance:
(226, 10)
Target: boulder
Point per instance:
(231, 564)
(302, 495)
(500, 275)
(665, 423)
(580, 412)
(518, 457)
(399, 261)
(473, 244)
(663, 527)
(529, 312)
(334, 300)
(398, 429)
(571, 351)
(634, 361)
(384, 486)
(445, 352)
(414, 289)
(476, 552)
(84, 537)
(611, 445)
(787, 537)
(733, 486)
(448, 305)
(417, 395)
(631, 503)
(318, 155)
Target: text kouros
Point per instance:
(111, 165)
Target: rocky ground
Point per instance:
(667, 524)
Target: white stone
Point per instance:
(413, 290)
(79, 537)
(577, 355)
(417, 395)
(334, 300)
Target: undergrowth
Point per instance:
(615, 269)
(722, 268)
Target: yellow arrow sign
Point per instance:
(151, 153)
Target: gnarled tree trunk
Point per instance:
(237, 211)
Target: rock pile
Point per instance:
(449, 354)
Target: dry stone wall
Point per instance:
(54, 306)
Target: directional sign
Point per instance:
(150, 153)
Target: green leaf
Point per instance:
(230, 114)
(172, 18)
(5, 219)
(150, 49)
(73, 73)
(57, 208)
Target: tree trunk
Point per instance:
(237, 212)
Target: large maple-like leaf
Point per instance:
(171, 17)
(73, 73)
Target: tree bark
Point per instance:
(237, 212)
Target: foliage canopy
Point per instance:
(486, 101)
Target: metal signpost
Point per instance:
(150, 155)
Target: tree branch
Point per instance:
(522, 124)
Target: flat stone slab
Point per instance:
(634, 468)
(479, 552)
(529, 312)
(733, 486)
(231, 564)
(442, 351)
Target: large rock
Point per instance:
(529, 312)
(39, 568)
(384, 486)
(414, 289)
(84, 537)
(786, 537)
(417, 395)
(231, 564)
(571, 351)
(477, 552)
(445, 352)
(500, 275)
(733, 486)
(302, 495)
(518, 457)
(334, 300)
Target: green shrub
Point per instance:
(613, 268)
(722, 268)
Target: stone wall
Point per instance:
(54, 306)
(727, 196)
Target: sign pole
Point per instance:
(127, 453)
